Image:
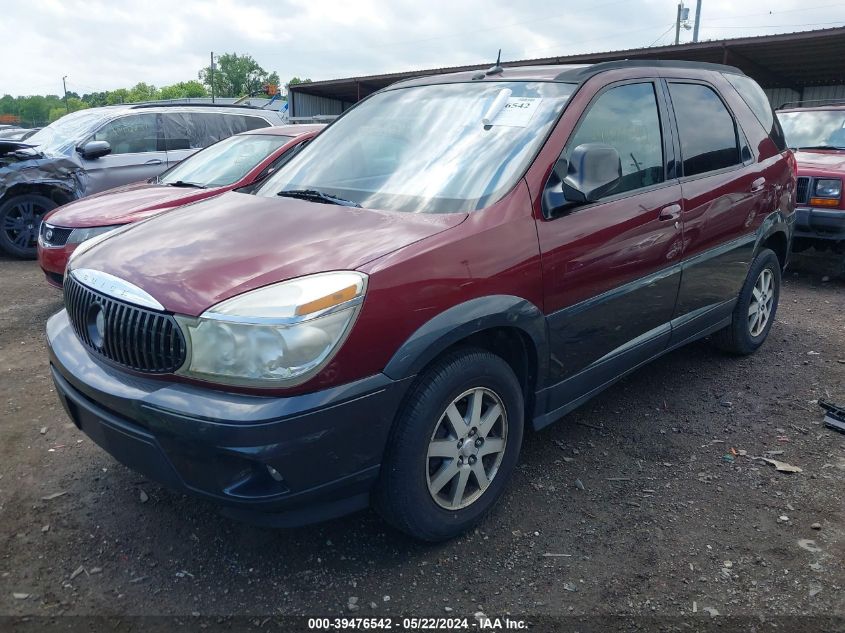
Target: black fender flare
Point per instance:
(468, 318)
(775, 222)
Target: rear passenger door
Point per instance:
(611, 269)
(724, 191)
(137, 152)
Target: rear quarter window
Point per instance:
(758, 103)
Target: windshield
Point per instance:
(425, 149)
(225, 162)
(814, 128)
(62, 135)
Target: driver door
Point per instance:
(137, 152)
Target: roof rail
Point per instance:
(810, 102)
(164, 104)
(592, 69)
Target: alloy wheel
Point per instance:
(762, 298)
(466, 448)
(21, 223)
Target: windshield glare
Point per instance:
(814, 128)
(62, 135)
(225, 162)
(425, 149)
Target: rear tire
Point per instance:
(20, 220)
(755, 308)
(453, 448)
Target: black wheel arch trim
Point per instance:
(462, 321)
(774, 223)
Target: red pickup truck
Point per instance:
(817, 134)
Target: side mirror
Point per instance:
(594, 170)
(94, 149)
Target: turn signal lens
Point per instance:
(329, 301)
(824, 202)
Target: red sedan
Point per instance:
(232, 163)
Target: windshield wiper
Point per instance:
(317, 196)
(819, 147)
(182, 183)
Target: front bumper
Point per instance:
(820, 224)
(53, 261)
(325, 447)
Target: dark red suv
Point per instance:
(453, 260)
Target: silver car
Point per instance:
(92, 150)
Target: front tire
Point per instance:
(20, 220)
(755, 308)
(454, 446)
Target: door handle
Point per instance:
(672, 212)
(154, 161)
(758, 185)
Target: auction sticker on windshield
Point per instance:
(518, 111)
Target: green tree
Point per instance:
(8, 105)
(73, 104)
(113, 97)
(236, 76)
(143, 92)
(96, 99)
(297, 80)
(183, 90)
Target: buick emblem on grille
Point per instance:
(49, 235)
(96, 323)
(115, 287)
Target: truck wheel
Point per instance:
(755, 309)
(20, 219)
(454, 446)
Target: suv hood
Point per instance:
(122, 205)
(826, 162)
(194, 257)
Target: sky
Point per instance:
(103, 45)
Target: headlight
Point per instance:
(77, 236)
(829, 188)
(108, 231)
(279, 335)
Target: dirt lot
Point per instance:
(632, 505)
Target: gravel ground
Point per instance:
(644, 501)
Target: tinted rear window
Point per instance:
(707, 130)
(195, 130)
(758, 102)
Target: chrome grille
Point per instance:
(54, 235)
(802, 192)
(140, 339)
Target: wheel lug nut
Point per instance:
(460, 443)
(472, 459)
(471, 432)
(479, 442)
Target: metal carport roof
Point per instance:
(788, 60)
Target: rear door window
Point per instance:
(132, 134)
(195, 130)
(706, 128)
(626, 117)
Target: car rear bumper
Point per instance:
(820, 224)
(324, 448)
